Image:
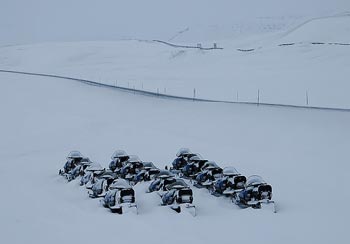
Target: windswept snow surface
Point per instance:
(302, 153)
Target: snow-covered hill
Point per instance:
(328, 29)
(282, 74)
(302, 153)
(40, 21)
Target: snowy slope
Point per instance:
(326, 29)
(282, 74)
(302, 153)
(41, 21)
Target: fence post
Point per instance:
(258, 97)
(134, 89)
(237, 96)
(307, 98)
(194, 94)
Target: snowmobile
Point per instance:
(231, 183)
(210, 173)
(119, 158)
(182, 158)
(79, 170)
(101, 186)
(131, 168)
(120, 197)
(92, 173)
(74, 158)
(256, 193)
(179, 196)
(161, 180)
(193, 166)
(148, 172)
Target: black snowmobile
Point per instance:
(179, 196)
(230, 184)
(256, 193)
(181, 160)
(161, 180)
(193, 167)
(148, 172)
(209, 174)
(120, 198)
(74, 159)
(101, 185)
(131, 168)
(92, 173)
(119, 158)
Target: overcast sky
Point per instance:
(30, 21)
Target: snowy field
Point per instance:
(302, 153)
(284, 49)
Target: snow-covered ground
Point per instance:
(302, 153)
(282, 74)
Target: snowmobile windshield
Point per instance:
(120, 184)
(86, 162)
(230, 171)
(165, 174)
(137, 165)
(148, 165)
(198, 158)
(119, 154)
(134, 159)
(108, 175)
(254, 180)
(183, 152)
(75, 154)
(95, 167)
(178, 184)
(210, 165)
